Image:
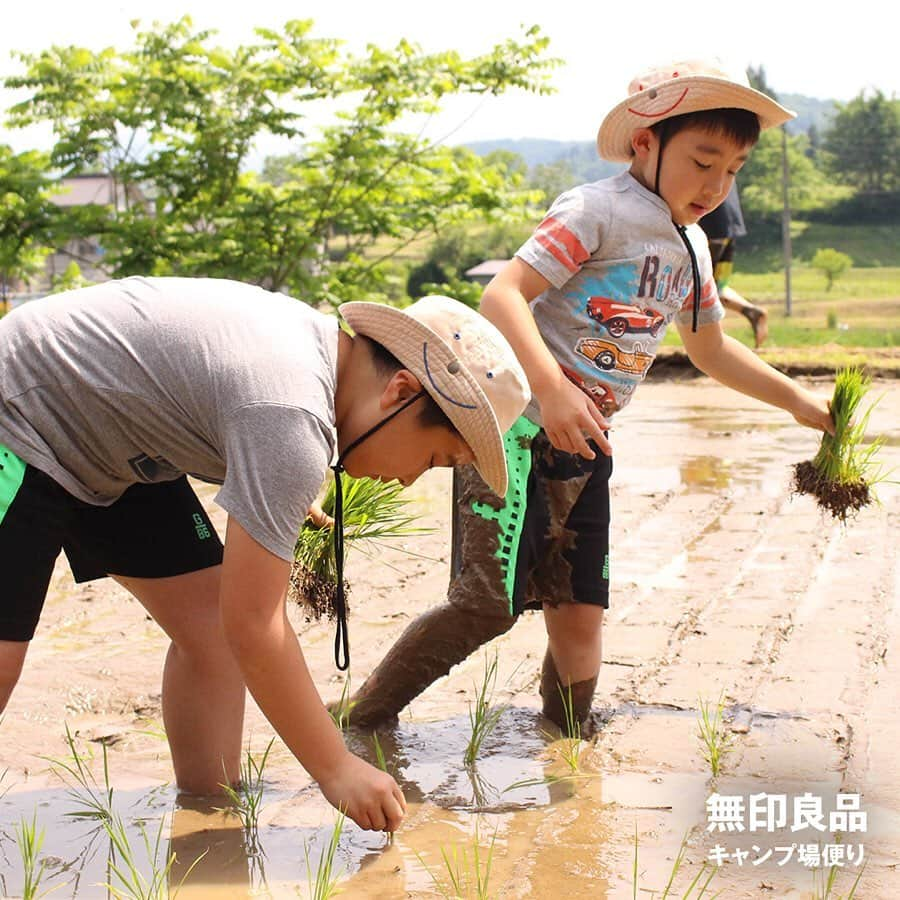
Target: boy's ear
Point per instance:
(399, 388)
(643, 141)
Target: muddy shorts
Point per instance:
(547, 541)
(151, 531)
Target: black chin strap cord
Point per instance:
(341, 638)
(695, 274)
(663, 136)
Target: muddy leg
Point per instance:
(556, 697)
(476, 611)
(428, 648)
(572, 662)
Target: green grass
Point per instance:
(870, 246)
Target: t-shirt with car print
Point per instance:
(619, 274)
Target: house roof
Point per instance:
(488, 268)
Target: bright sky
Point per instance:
(803, 48)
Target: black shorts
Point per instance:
(151, 531)
(547, 541)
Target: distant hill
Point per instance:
(587, 166)
(810, 111)
(580, 155)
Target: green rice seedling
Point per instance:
(30, 840)
(843, 472)
(571, 747)
(340, 711)
(382, 764)
(323, 882)
(483, 715)
(126, 879)
(246, 798)
(372, 511)
(94, 801)
(713, 736)
(700, 882)
(825, 882)
(467, 870)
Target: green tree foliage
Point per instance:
(27, 217)
(864, 141)
(831, 263)
(174, 120)
(761, 182)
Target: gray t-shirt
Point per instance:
(145, 379)
(620, 273)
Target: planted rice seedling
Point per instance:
(94, 801)
(467, 870)
(323, 882)
(382, 764)
(30, 840)
(372, 511)
(571, 748)
(127, 881)
(843, 471)
(340, 711)
(483, 715)
(246, 799)
(697, 888)
(713, 736)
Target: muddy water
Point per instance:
(724, 585)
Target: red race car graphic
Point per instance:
(618, 318)
(602, 396)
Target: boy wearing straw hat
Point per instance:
(110, 394)
(585, 303)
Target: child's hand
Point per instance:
(318, 516)
(365, 794)
(570, 419)
(814, 411)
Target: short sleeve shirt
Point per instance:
(620, 273)
(147, 379)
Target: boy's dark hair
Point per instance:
(739, 125)
(430, 414)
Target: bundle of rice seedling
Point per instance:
(843, 472)
(373, 511)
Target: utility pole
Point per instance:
(786, 220)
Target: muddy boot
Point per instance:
(556, 700)
(428, 648)
(759, 322)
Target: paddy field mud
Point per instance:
(726, 589)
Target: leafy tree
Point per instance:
(27, 217)
(760, 178)
(831, 263)
(174, 120)
(864, 141)
(551, 179)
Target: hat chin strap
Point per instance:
(663, 136)
(341, 638)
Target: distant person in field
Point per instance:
(110, 395)
(585, 303)
(723, 226)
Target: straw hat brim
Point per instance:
(676, 97)
(443, 376)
